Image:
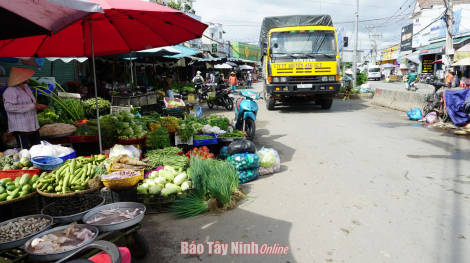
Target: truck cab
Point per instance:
(300, 59)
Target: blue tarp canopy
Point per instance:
(185, 52)
(455, 106)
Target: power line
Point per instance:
(394, 13)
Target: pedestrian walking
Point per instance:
(248, 79)
(382, 74)
(21, 107)
(233, 81)
(450, 78)
(348, 78)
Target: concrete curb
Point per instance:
(398, 100)
(357, 96)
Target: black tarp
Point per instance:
(296, 20)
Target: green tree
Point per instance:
(174, 5)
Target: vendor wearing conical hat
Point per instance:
(21, 107)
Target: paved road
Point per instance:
(422, 88)
(359, 183)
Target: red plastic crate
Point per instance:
(17, 173)
(83, 138)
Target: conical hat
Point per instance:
(19, 75)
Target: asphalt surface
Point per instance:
(359, 183)
(422, 88)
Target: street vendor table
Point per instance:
(136, 243)
(134, 100)
(393, 78)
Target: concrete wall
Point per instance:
(398, 100)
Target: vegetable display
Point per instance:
(233, 134)
(165, 182)
(72, 176)
(158, 138)
(21, 186)
(202, 152)
(219, 121)
(129, 127)
(216, 188)
(47, 116)
(175, 103)
(89, 106)
(203, 137)
(186, 131)
(170, 123)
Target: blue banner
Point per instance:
(340, 34)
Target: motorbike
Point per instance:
(223, 97)
(426, 78)
(246, 110)
(413, 87)
(435, 102)
(200, 87)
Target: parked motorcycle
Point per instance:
(426, 78)
(413, 86)
(246, 110)
(200, 87)
(223, 97)
(435, 102)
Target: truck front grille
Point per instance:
(303, 79)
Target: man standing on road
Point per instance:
(248, 79)
(233, 81)
(347, 83)
(450, 78)
(412, 76)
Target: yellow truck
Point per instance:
(300, 59)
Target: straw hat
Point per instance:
(199, 72)
(349, 71)
(19, 75)
(232, 73)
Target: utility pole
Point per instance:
(374, 46)
(355, 45)
(449, 42)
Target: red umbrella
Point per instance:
(125, 26)
(25, 18)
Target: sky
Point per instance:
(241, 19)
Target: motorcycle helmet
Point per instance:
(413, 69)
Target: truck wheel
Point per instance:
(326, 104)
(270, 103)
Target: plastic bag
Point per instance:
(365, 88)
(241, 146)
(414, 114)
(244, 161)
(223, 153)
(269, 161)
(246, 176)
(431, 117)
(43, 149)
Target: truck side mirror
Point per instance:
(345, 41)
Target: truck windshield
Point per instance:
(303, 44)
(374, 70)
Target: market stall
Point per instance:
(184, 166)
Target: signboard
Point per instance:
(406, 37)
(428, 66)
(436, 50)
(390, 53)
(340, 35)
(348, 56)
(214, 48)
(246, 51)
(456, 15)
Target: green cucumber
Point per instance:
(17, 181)
(24, 179)
(26, 187)
(2, 190)
(3, 197)
(12, 187)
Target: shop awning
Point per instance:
(459, 40)
(185, 52)
(438, 61)
(433, 48)
(414, 57)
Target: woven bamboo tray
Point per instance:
(18, 199)
(69, 194)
